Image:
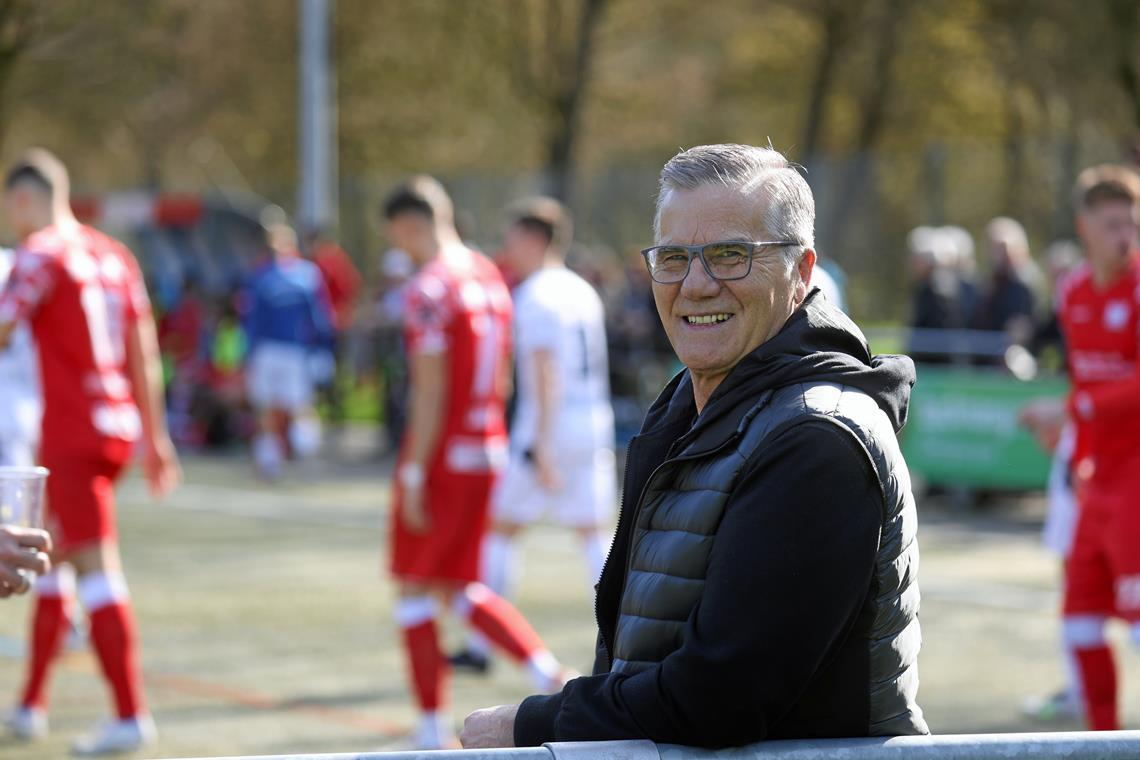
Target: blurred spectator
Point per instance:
(289, 320)
(943, 296)
(822, 278)
(343, 283)
(1007, 304)
(386, 322)
(180, 333)
(1048, 343)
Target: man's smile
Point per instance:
(707, 319)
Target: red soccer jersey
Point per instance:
(459, 305)
(80, 290)
(1102, 340)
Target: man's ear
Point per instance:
(805, 266)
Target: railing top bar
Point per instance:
(1105, 745)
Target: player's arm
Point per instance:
(145, 368)
(546, 398)
(426, 401)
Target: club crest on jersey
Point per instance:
(1116, 315)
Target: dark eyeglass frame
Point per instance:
(698, 251)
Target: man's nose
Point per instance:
(698, 283)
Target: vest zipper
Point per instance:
(633, 528)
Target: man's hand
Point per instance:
(413, 513)
(21, 548)
(1045, 418)
(492, 728)
(160, 465)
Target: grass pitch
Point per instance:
(266, 625)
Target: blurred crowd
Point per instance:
(205, 336)
(963, 313)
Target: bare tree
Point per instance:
(547, 50)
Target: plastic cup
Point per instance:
(22, 500)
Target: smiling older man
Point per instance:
(762, 581)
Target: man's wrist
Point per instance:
(534, 720)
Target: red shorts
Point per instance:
(458, 507)
(81, 501)
(1102, 573)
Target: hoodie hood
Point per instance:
(818, 343)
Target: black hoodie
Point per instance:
(784, 618)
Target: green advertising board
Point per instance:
(963, 431)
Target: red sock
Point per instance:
(1098, 677)
(49, 629)
(429, 668)
(502, 624)
(115, 641)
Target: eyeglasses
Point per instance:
(723, 260)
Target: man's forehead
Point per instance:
(708, 213)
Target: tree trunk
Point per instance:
(566, 105)
(856, 180)
(835, 18)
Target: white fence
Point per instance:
(1108, 745)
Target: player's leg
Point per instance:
(55, 596)
(517, 502)
(299, 394)
(506, 628)
(262, 378)
(1088, 602)
(1057, 535)
(587, 507)
(417, 615)
(104, 594)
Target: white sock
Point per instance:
(596, 551)
(435, 731)
(498, 560)
(544, 670)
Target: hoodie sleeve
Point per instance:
(789, 573)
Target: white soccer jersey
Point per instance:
(20, 402)
(558, 311)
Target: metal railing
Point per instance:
(1106, 745)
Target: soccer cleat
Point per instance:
(471, 661)
(113, 737)
(1060, 706)
(27, 723)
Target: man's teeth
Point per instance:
(708, 319)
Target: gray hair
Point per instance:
(788, 214)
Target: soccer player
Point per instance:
(20, 403)
(562, 440)
(457, 335)
(1100, 318)
(288, 320)
(84, 297)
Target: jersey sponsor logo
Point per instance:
(1116, 314)
(1097, 366)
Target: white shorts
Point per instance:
(279, 377)
(587, 495)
